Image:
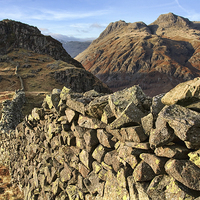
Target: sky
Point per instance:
(86, 19)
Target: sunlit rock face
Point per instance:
(156, 56)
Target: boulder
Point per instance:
(166, 187)
(114, 188)
(156, 163)
(105, 138)
(85, 158)
(77, 102)
(119, 101)
(147, 123)
(195, 157)
(64, 92)
(91, 123)
(185, 172)
(157, 187)
(53, 100)
(163, 134)
(74, 192)
(107, 116)
(90, 137)
(185, 92)
(156, 105)
(71, 115)
(143, 172)
(96, 107)
(137, 190)
(184, 122)
(83, 170)
(137, 145)
(130, 115)
(99, 153)
(126, 153)
(172, 151)
(133, 134)
(93, 184)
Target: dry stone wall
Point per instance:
(96, 147)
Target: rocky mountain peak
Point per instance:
(171, 20)
(113, 26)
(138, 25)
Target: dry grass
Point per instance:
(7, 190)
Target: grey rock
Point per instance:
(185, 172)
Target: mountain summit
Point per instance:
(156, 56)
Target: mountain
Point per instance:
(41, 62)
(75, 47)
(156, 56)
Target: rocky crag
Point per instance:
(157, 56)
(97, 146)
(15, 34)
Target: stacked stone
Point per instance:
(12, 111)
(11, 117)
(119, 146)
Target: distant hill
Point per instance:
(75, 47)
(156, 56)
(42, 63)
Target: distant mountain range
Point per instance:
(73, 48)
(156, 56)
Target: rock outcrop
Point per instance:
(96, 146)
(157, 56)
(19, 35)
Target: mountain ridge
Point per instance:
(156, 56)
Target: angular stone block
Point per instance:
(134, 134)
(99, 153)
(143, 172)
(156, 163)
(172, 151)
(185, 172)
(91, 123)
(105, 138)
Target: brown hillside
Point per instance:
(157, 56)
(42, 63)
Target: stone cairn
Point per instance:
(121, 146)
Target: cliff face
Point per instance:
(157, 56)
(19, 35)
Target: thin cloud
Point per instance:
(60, 15)
(181, 7)
(192, 15)
(44, 14)
(97, 25)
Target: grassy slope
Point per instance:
(37, 77)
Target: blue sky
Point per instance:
(86, 19)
